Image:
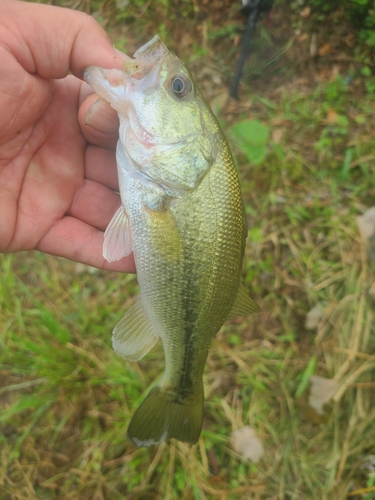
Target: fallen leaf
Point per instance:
(279, 121)
(303, 37)
(313, 45)
(321, 391)
(245, 442)
(325, 49)
(313, 318)
(334, 73)
(366, 224)
(306, 12)
(332, 116)
(277, 135)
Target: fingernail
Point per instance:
(102, 117)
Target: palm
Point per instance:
(47, 167)
(49, 176)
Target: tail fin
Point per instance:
(163, 414)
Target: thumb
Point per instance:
(51, 41)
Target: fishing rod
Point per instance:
(252, 9)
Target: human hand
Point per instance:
(57, 140)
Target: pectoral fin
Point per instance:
(134, 335)
(117, 237)
(243, 304)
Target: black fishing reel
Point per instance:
(248, 6)
(252, 9)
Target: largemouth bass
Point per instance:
(182, 215)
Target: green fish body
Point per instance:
(182, 216)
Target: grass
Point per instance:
(66, 398)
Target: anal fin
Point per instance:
(117, 237)
(243, 304)
(134, 335)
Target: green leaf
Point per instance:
(251, 137)
(255, 154)
(251, 131)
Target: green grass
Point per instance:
(66, 398)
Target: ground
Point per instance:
(302, 135)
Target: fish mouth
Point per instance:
(140, 73)
(145, 58)
(116, 87)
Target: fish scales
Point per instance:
(183, 217)
(193, 287)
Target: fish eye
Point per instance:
(180, 86)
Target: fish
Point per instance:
(182, 216)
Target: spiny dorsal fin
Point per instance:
(243, 304)
(134, 335)
(117, 237)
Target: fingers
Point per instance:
(51, 41)
(78, 241)
(100, 166)
(98, 121)
(24, 98)
(94, 204)
(99, 125)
